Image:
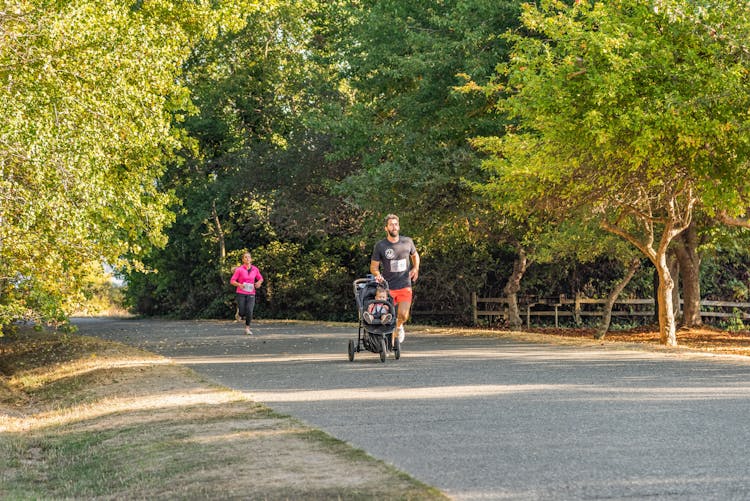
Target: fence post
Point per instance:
(475, 316)
(528, 316)
(556, 325)
(578, 309)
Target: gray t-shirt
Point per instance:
(396, 260)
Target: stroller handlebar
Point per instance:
(370, 279)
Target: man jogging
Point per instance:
(400, 261)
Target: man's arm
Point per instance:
(375, 270)
(414, 272)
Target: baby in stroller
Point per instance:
(378, 311)
(377, 320)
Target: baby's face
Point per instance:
(381, 296)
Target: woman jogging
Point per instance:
(246, 279)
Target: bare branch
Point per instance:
(646, 248)
(725, 218)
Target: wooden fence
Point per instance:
(580, 307)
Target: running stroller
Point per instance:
(375, 331)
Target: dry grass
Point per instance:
(703, 339)
(87, 419)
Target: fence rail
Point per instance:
(577, 308)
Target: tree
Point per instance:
(408, 128)
(257, 174)
(634, 110)
(89, 92)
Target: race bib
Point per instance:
(398, 265)
(248, 287)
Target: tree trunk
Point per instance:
(690, 262)
(613, 295)
(667, 323)
(674, 272)
(679, 213)
(219, 234)
(222, 276)
(513, 286)
(655, 290)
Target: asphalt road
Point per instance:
(490, 418)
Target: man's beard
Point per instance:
(393, 233)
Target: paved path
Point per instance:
(490, 418)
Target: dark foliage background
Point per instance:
(318, 119)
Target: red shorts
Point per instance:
(401, 295)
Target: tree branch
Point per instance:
(647, 249)
(725, 218)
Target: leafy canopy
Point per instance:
(89, 92)
(621, 103)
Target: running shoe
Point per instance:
(248, 331)
(401, 334)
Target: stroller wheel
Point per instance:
(397, 349)
(383, 349)
(351, 350)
